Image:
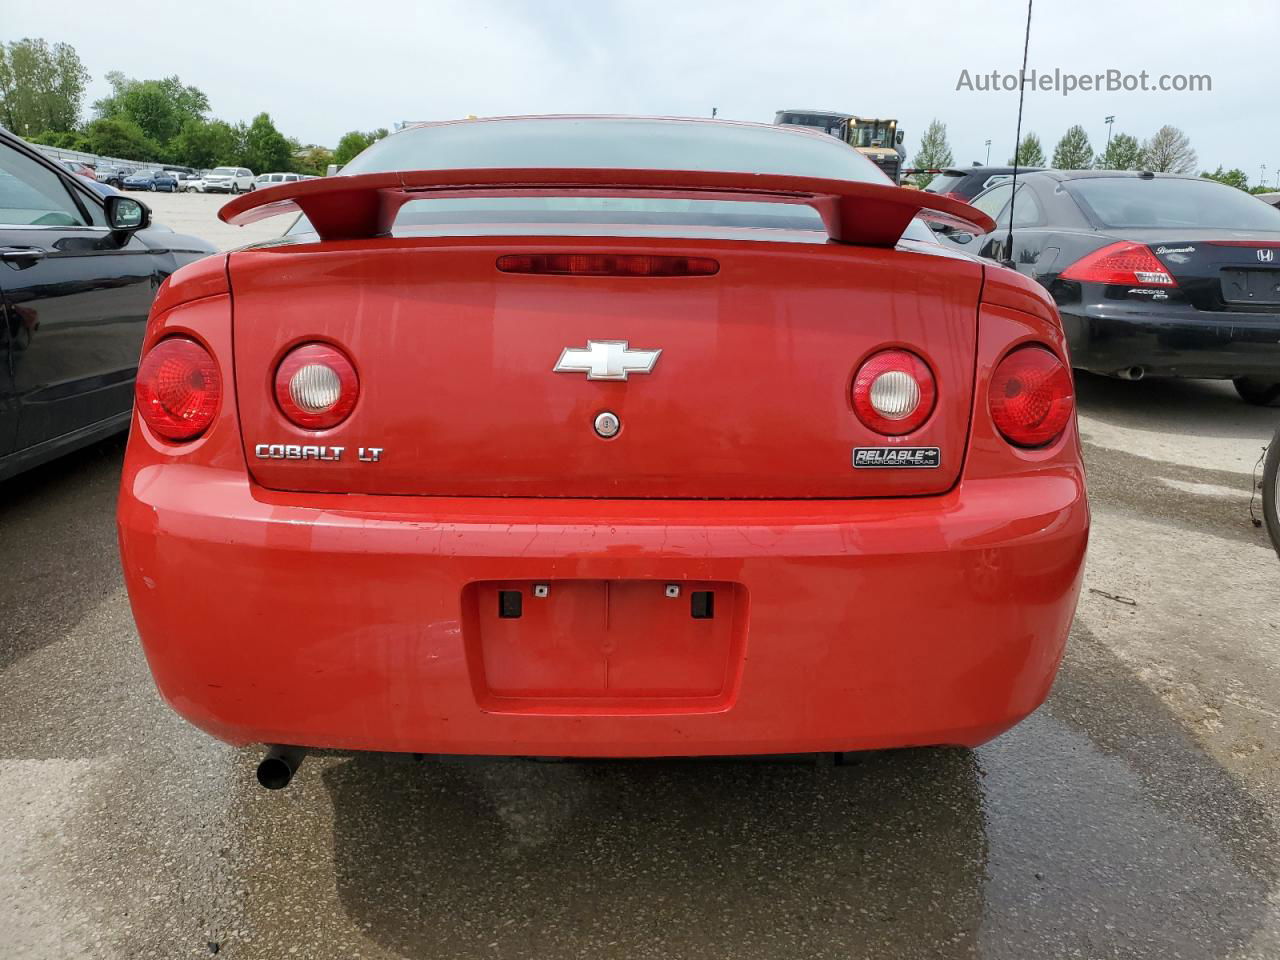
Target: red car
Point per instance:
(603, 437)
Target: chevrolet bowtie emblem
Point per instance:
(606, 360)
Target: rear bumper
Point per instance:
(1193, 344)
(340, 621)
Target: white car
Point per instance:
(275, 179)
(228, 180)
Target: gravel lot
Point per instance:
(197, 214)
(1136, 815)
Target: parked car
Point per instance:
(191, 183)
(75, 317)
(275, 179)
(1155, 274)
(113, 176)
(100, 188)
(965, 183)
(152, 180)
(228, 180)
(80, 169)
(532, 474)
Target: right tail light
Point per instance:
(1031, 397)
(894, 392)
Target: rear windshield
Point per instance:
(607, 142)
(1136, 202)
(944, 182)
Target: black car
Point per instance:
(113, 176)
(78, 272)
(965, 183)
(1154, 274)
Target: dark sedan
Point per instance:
(1154, 274)
(965, 183)
(152, 180)
(78, 272)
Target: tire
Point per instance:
(1261, 393)
(235, 188)
(1271, 492)
(151, 187)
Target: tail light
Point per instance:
(894, 392)
(178, 389)
(316, 386)
(1127, 263)
(608, 265)
(1031, 397)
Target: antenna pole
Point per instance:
(1017, 139)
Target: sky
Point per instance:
(321, 68)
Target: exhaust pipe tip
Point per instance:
(277, 768)
(1132, 373)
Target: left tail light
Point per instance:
(178, 389)
(1131, 264)
(316, 386)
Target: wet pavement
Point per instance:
(1135, 815)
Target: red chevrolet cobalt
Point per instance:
(587, 436)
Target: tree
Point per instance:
(1122, 153)
(161, 108)
(1073, 151)
(1234, 177)
(63, 139)
(1030, 153)
(354, 143)
(205, 143)
(1168, 151)
(41, 87)
(313, 159)
(122, 138)
(934, 152)
(265, 147)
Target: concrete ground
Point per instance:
(197, 214)
(1136, 815)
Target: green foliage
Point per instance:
(313, 159)
(161, 108)
(1122, 153)
(934, 152)
(206, 143)
(265, 148)
(120, 137)
(1234, 177)
(41, 87)
(1073, 151)
(63, 139)
(1030, 153)
(354, 143)
(1168, 151)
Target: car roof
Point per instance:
(1062, 175)
(985, 171)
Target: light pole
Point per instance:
(1262, 175)
(988, 153)
(1109, 120)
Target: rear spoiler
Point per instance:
(355, 207)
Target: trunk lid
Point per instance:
(1219, 269)
(749, 397)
